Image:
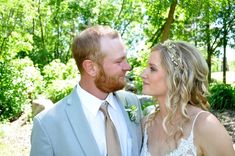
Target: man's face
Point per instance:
(111, 76)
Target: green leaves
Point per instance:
(20, 82)
(44, 29)
(60, 79)
(222, 97)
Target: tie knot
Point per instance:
(104, 108)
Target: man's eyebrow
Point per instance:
(121, 58)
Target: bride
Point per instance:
(182, 125)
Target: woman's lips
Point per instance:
(145, 83)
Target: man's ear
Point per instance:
(90, 67)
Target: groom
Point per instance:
(75, 126)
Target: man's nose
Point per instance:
(126, 66)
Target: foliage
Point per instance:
(20, 82)
(58, 89)
(56, 22)
(60, 78)
(222, 96)
(14, 26)
(44, 30)
(232, 65)
(210, 27)
(216, 65)
(56, 70)
(138, 64)
(71, 70)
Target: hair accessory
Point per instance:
(175, 58)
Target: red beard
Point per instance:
(108, 84)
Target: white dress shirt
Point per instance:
(95, 118)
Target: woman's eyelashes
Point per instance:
(153, 69)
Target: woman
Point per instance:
(181, 126)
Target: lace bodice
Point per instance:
(185, 148)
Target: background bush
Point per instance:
(222, 96)
(138, 64)
(53, 71)
(20, 82)
(59, 88)
(60, 79)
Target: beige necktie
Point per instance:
(112, 141)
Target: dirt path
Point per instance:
(15, 139)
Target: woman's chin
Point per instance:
(144, 91)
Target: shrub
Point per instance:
(222, 96)
(136, 79)
(138, 64)
(56, 70)
(60, 79)
(71, 70)
(20, 82)
(59, 89)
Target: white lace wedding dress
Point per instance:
(185, 148)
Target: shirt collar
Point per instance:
(111, 100)
(92, 103)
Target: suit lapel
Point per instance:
(80, 125)
(122, 102)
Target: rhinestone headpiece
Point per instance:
(175, 57)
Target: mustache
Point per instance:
(109, 83)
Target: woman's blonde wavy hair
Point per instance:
(186, 71)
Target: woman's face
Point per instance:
(154, 77)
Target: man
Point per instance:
(75, 126)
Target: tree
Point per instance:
(15, 37)
(187, 22)
(169, 20)
(219, 20)
(227, 20)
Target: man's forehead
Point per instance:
(108, 44)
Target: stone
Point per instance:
(40, 104)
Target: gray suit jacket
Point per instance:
(63, 130)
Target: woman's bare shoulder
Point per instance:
(210, 131)
(208, 122)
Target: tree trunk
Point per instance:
(209, 55)
(41, 26)
(209, 50)
(169, 21)
(224, 46)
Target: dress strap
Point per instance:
(196, 119)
